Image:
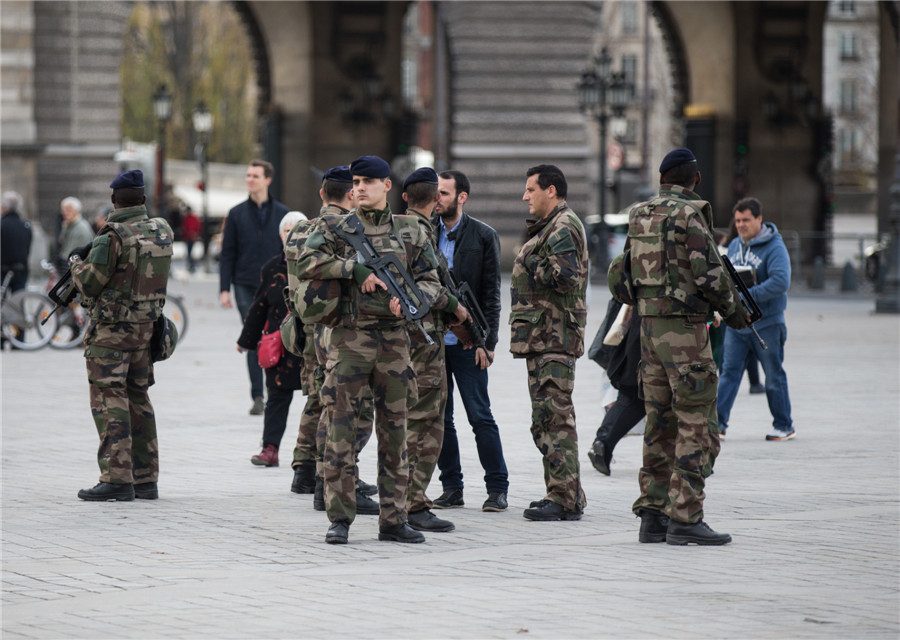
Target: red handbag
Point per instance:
(270, 349)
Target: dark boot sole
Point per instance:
(449, 506)
(106, 498)
(260, 463)
(563, 516)
(147, 495)
(703, 542)
(387, 537)
(652, 537)
(303, 489)
(444, 529)
(336, 540)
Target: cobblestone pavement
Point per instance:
(229, 552)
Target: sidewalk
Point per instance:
(229, 552)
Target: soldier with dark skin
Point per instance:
(677, 281)
(425, 426)
(369, 349)
(123, 285)
(547, 318)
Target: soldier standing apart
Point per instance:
(678, 281)
(369, 349)
(123, 285)
(760, 246)
(478, 246)
(547, 318)
(425, 425)
(250, 239)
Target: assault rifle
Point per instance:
(62, 294)
(476, 325)
(413, 303)
(747, 300)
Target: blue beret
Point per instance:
(423, 174)
(339, 174)
(370, 167)
(675, 158)
(133, 179)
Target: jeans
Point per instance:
(243, 297)
(738, 347)
(472, 382)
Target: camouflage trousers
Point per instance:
(305, 450)
(679, 381)
(359, 360)
(551, 380)
(119, 379)
(425, 423)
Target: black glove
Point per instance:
(82, 252)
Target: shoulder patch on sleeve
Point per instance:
(562, 241)
(100, 250)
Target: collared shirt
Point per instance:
(447, 246)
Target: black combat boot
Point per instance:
(682, 533)
(319, 495)
(107, 492)
(304, 478)
(653, 525)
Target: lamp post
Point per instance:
(602, 93)
(203, 122)
(162, 109)
(889, 299)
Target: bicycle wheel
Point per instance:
(22, 315)
(73, 323)
(177, 313)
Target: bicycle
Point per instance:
(21, 313)
(73, 320)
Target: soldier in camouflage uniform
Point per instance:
(547, 318)
(677, 280)
(337, 200)
(425, 423)
(369, 349)
(123, 285)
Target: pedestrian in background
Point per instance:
(760, 247)
(190, 233)
(249, 240)
(472, 251)
(15, 241)
(547, 318)
(264, 316)
(76, 232)
(122, 282)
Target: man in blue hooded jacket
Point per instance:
(760, 246)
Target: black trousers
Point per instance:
(619, 420)
(277, 406)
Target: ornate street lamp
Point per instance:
(162, 109)
(203, 123)
(601, 94)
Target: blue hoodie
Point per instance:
(767, 254)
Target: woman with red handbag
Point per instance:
(261, 332)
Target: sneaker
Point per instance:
(548, 511)
(681, 533)
(721, 433)
(268, 457)
(496, 501)
(450, 499)
(424, 520)
(598, 458)
(259, 407)
(757, 388)
(777, 435)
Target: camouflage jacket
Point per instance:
(326, 255)
(676, 269)
(549, 284)
(436, 321)
(124, 277)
